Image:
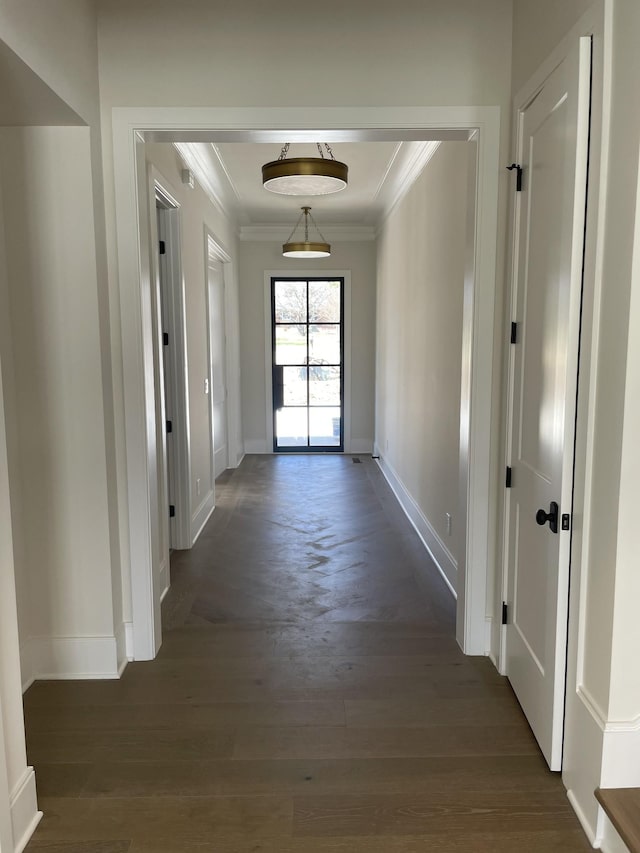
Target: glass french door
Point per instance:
(308, 345)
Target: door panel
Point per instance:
(307, 334)
(553, 137)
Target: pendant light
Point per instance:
(305, 175)
(306, 249)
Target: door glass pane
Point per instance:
(291, 344)
(324, 427)
(324, 386)
(324, 301)
(291, 427)
(324, 344)
(295, 386)
(291, 301)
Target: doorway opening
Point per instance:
(479, 126)
(307, 334)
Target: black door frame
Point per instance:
(276, 385)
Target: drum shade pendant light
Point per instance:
(305, 175)
(305, 248)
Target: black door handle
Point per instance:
(552, 517)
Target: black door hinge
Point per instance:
(172, 510)
(507, 479)
(169, 426)
(518, 176)
(504, 612)
(162, 247)
(514, 333)
(165, 339)
(566, 521)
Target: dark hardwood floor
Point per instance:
(309, 697)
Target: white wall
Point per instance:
(256, 258)
(18, 808)
(56, 446)
(421, 268)
(197, 213)
(410, 52)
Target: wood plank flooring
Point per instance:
(309, 697)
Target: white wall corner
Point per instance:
(610, 841)
(75, 657)
(25, 815)
(440, 554)
(128, 635)
(121, 647)
(360, 445)
(201, 516)
(26, 664)
(259, 445)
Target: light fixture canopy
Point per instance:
(305, 175)
(306, 248)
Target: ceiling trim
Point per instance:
(194, 157)
(397, 186)
(333, 233)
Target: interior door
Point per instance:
(217, 333)
(553, 150)
(307, 335)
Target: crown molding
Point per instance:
(202, 159)
(416, 157)
(332, 233)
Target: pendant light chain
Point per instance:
(306, 212)
(287, 145)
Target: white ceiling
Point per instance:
(379, 174)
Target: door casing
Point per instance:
(131, 126)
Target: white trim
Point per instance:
(257, 445)
(420, 154)
(25, 815)
(584, 821)
(26, 664)
(361, 445)
(443, 558)
(253, 124)
(121, 647)
(74, 657)
(128, 638)
(201, 516)
(206, 170)
(171, 288)
(609, 840)
(333, 233)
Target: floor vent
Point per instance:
(355, 459)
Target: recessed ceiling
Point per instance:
(379, 173)
(368, 162)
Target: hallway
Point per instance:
(309, 696)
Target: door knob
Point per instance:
(552, 517)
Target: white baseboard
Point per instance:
(25, 815)
(201, 516)
(121, 647)
(74, 657)
(220, 460)
(238, 461)
(360, 445)
(128, 639)
(440, 554)
(252, 445)
(584, 820)
(26, 665)
(610, 842)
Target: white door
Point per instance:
(217, 338)
(553, 149)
